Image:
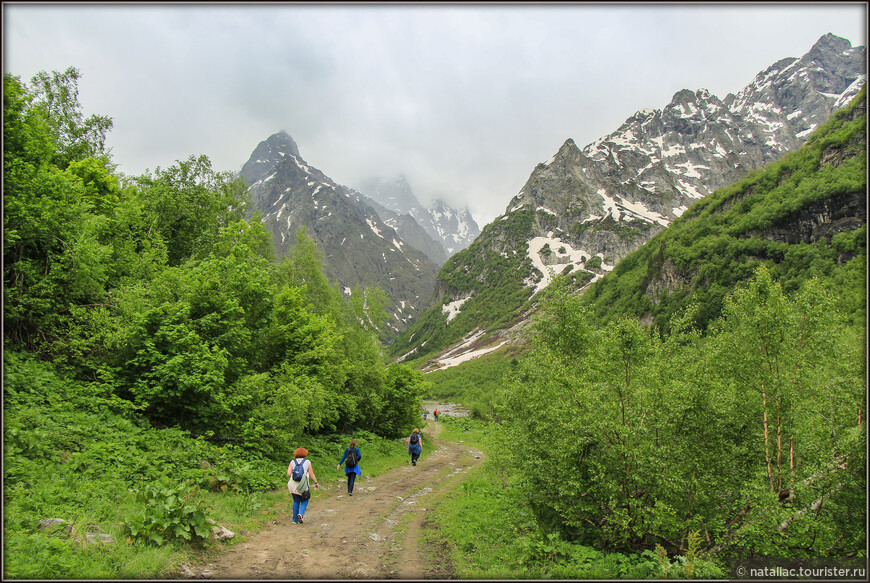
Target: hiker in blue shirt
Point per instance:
(351, 458)
(415, 445)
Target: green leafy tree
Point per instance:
(359, 387)
(27, 141)
(76, 137)
(401, 404)
(363, 392)
(304, 368)
(188, 203)
(56, 216)
(193, 330)
(797, 371)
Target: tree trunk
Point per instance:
(766, 438)
(778, 449)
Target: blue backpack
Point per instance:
(298, 470)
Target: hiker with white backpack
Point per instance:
(350, 459)
(301, 473)
(415, 445)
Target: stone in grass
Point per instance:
(222, 533)
(55, 524)
(99, 538)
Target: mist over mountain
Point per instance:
(454, 229)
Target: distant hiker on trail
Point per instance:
(300, 471)
(436, 414)
(352, 456)
(415, 445)
(424, 414)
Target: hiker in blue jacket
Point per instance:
(350, 459)
(415, 445)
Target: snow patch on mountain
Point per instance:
(452, 309)
(374, 227)
(561, 254)
(466, 356)
(616, 207)
(462, 352)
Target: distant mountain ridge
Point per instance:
(360, 249)
(454, 229)
(584, 210)
(411, 231)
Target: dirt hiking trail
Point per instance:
(375, 534)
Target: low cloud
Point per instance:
(463, 100)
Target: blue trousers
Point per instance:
(299, 506)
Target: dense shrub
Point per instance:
(640, 438)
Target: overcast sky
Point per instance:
(462, 99)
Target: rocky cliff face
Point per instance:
(613, 195)
(360, 249)
(585, 209)
(659, 162)
(453, 229)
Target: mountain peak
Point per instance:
(283, 143)
(359, 248)
(268, 154)
(568, 151)
(393, 193)
(685, 96)
(831, 42)
(569, 148)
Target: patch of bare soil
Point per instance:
(374, 534)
